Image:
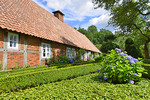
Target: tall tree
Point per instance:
(130, 16)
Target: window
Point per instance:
(73, 53)
(13, 41)
(68, 53)
(85, 55)
(46, 51)
(89, 53)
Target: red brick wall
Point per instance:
(22, 39)
(33, 59)
(1, 59)
(14, 59)
(57, 49)
(1, 39)
(33, 43)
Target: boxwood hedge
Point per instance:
(30, 78)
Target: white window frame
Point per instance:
(89, 53)
(17, 39)
(46, 50)
(69, 52)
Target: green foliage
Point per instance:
(131, 49)
(99, 58)
(32, 78)
(107, 46)
(92, 29)
(130, 16)
(146, 61)
(121, 68)
(147, 67)
(87, 87)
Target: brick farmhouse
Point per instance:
(29, 35)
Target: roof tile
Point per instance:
(27, 17)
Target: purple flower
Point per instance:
(105, 77)
(135, 60)
(125, 51)
(118, 49)
(102, 65)
(132, 62)
(97, 71)
(121, 53)
(125, 54)
(65, 61)
(131, 82)
(115, 67)
(88, 59)
(61, 61)
(135, 74)
(128, 58)
(110, 67)
(46, 65)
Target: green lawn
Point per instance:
(87, 87)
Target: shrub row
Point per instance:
(147, 67)
(22, 81)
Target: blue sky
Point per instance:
(78, 13)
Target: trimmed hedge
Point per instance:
(146, 61)
(32, 79)
(147, 67)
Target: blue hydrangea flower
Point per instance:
(70, 60)
(135, 60)
(61, 61)
(65, 61)
(115, 67)
(125, 51)
(102, 65)
(110, 67)
(135, 74)
(105, 77)
(121, 53)
(97, 71)
(132, 61)
(125, 54)
(128, 58)
(131, 82)
(118, 49)
(88, 59)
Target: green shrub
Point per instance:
(108, 46)
(118, 67)
(147, 67)
(131, 48)
(146, 61)
(99, 58)
(31, 79)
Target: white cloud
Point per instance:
(75, 9)
(100, 22)
(78, 10)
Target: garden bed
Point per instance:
(86, 87)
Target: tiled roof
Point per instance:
(26, 17)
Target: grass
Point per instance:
(88, 87)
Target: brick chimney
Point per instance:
(59, 15)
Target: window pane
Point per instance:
(48, 55)
(14, 44)
(43, 54)
(11, 37)
(15, 38)
(43, 46)
(11, 44)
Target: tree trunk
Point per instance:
(146, 50)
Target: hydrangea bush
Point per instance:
(119, 67)
(64, 59)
